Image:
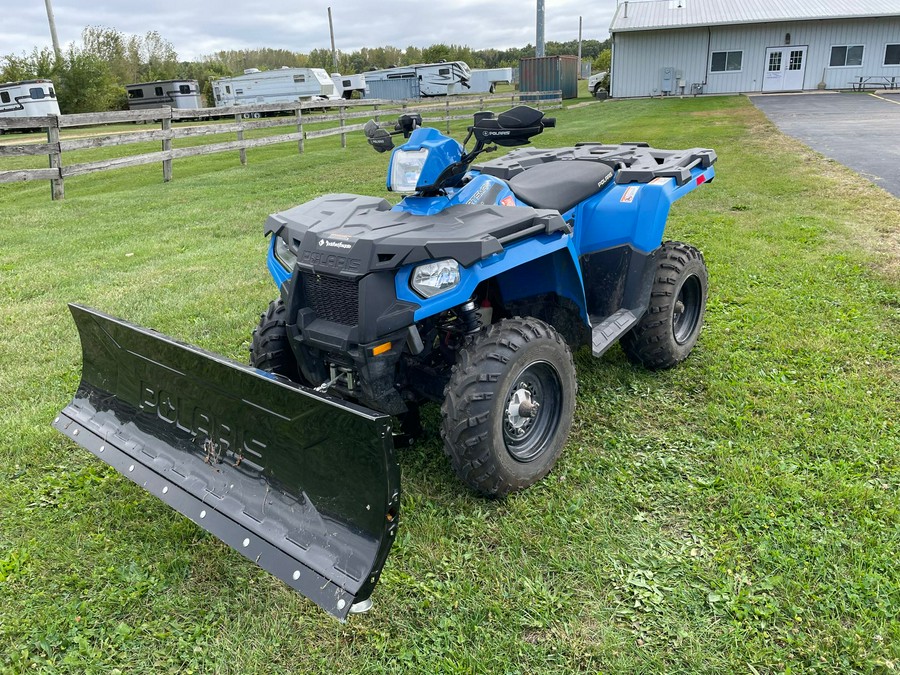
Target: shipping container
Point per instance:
(549, 73)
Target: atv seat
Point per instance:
(559, 185)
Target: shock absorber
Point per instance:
(469, 317)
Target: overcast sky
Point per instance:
(197, 28)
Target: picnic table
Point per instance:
(875, 82)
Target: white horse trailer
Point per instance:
(28, 98)
(345, 85)
(285, 85)
(162, 93)
(484, 80)
(435, 79)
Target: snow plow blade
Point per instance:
(304, 485)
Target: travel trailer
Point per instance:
(434, 79)
(285, 85)
(345, 85)
(484, 80)
(28, 98)
(171, 93)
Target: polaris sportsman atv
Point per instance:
(472, 292)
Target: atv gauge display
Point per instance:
(406, 167)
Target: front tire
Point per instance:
(270, 347)
(508, 407)
(667, 333)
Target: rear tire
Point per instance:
(667, 333)
(508, 407)
(270, 347)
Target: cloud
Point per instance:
(199, 28)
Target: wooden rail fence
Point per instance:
(246, 118)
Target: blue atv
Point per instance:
(474, 290)
(471, 292)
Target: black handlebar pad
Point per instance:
(510, 128)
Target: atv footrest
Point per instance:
(607, 330)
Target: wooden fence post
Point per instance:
(300, 129)
(240, 136)
(343, 110)
(166, 125)
(57, 189)
(377, 116)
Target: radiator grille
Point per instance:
(332, 298)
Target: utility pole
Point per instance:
(539, 42)
(579, 47)
(334, 60)
(56, 49)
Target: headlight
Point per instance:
(432, 278)
(406, 167)
(284, 255)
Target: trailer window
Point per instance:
(299, 78)
(4, 97)
(135, 93)
(158, 91)
(227, 88)
(443, 71)
(52, 93)
(184, 89)
(36, 93)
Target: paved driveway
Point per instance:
(861, 131)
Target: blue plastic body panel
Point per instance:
(279, 274)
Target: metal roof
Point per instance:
(661, 14)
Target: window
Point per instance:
(227, 88)
(892, 55)
(184, 89)
(443, 71)
(726, 62)
(299, 78)
(52, 93)
(796, 62)
(774, 62)
(846, 56)
(159, 91)
(135, 93)
(36, 93)
(4, 97)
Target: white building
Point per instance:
(670, 47)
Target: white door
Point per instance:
(785, 69)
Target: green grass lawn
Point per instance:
(736, 514)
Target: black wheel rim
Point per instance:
(686, 314)
(531, 411)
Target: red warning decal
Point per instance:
(508, 201)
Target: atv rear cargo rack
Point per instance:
(633, 162)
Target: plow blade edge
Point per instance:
(302, 484)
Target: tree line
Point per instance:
(91, 76)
